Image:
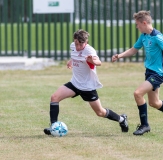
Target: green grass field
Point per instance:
(24, 102)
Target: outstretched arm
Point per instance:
(127, 53)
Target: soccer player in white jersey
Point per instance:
(84, 82)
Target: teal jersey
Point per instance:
(153, 45)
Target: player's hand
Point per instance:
(93, 60)
(115, 58)
(69, 64)
(90, 58)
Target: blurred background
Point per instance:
(26, 29)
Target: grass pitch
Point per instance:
(24, 103)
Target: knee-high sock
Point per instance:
(161, 108)
(54, 111)
(143, 114)
(112, 115)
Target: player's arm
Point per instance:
(127, 53)
(69, 64)
(93, 60)
(159, 40)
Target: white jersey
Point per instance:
(84, 73)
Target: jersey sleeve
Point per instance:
(72, 46)
(91, 51)
(139, 43)
(159, 39)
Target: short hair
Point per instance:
(81, 36)
(143, 16)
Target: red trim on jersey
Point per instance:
(92, 66)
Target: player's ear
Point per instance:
(144, 22)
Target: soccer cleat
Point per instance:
(141, 129)
(124, 123)
(47, 131)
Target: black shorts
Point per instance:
(86, 95)
(154, 78)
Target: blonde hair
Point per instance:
(143, 16)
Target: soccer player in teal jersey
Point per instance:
(152, 41)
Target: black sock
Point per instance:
(54, 111)
(143, 114)
(161, 109)
(112, 115)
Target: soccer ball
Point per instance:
(59, 129)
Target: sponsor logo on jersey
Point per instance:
(80, 54)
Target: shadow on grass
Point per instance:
(90, 135)
(23, 137)
(69, 135)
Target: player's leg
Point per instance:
(154, 101)
(107, 113)
(98, 109)
(62, 93)
(93, 99)
(139, 93)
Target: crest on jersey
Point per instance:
(80, 54)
